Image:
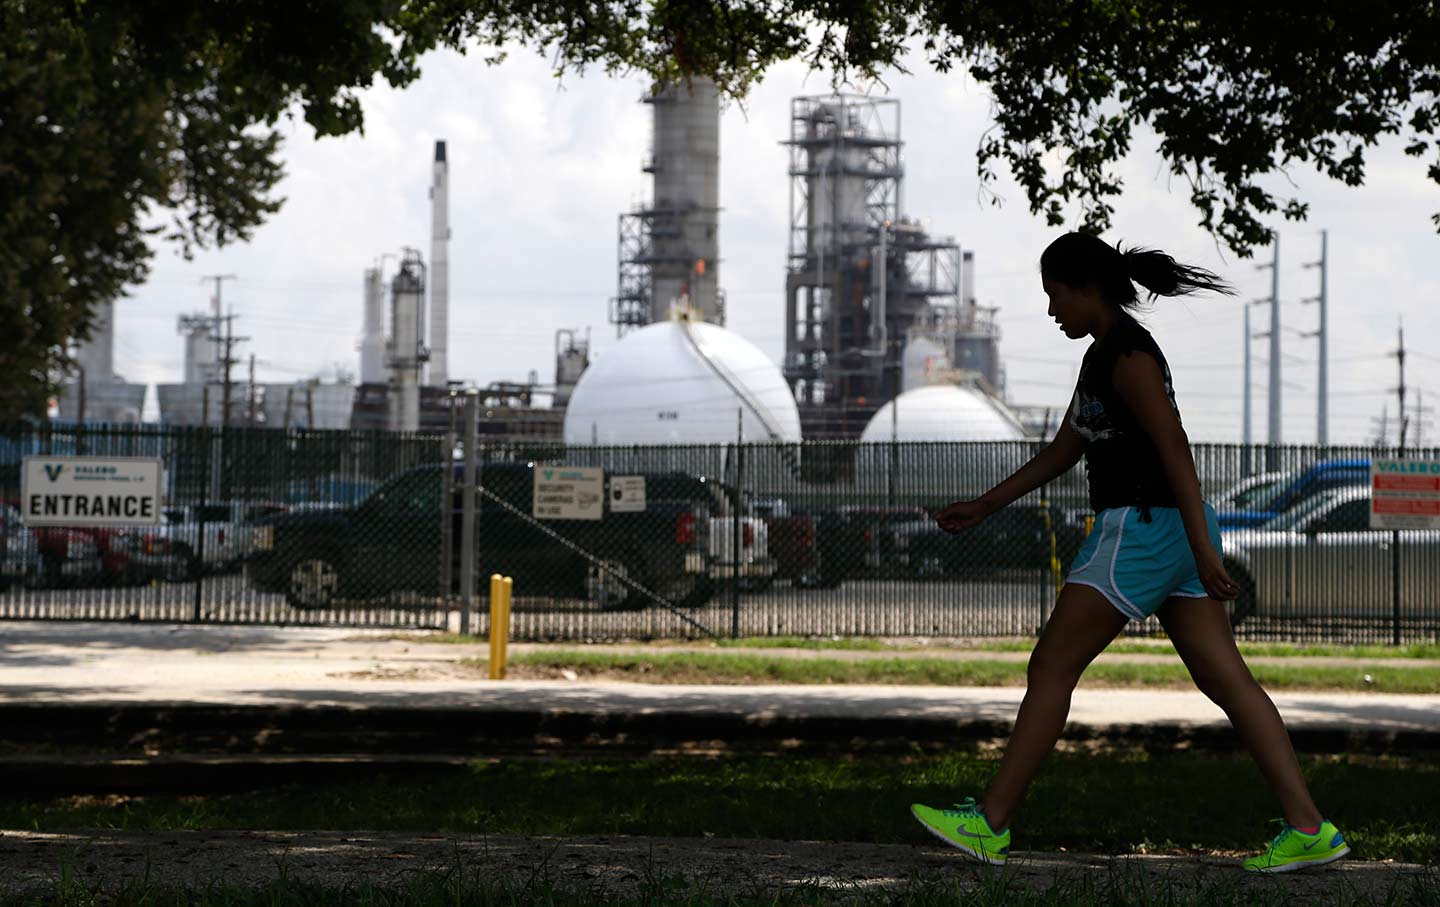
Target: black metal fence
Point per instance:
(820, 538)
(219, 485)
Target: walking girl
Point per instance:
(1155, 550)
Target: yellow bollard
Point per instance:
(508, 588)
(497, 602)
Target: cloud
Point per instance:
(541, 170)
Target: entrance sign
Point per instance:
(90, 491)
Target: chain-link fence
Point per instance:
(819, 538)
(220, 487)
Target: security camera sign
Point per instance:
(1404, 494)
(569, 493)
(90, 491)
(627, 494)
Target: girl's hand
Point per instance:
(1218, 584)
(962, 515)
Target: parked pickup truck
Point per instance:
(391, 542)
(1296, 488)
(755, 565)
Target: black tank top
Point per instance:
(1122, 463)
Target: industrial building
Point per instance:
(874, 307)
(96, 393)
(884, 336)
(868, 288)
(669, 250)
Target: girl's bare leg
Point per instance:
(1081, 626)
(1200, 630)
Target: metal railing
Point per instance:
(817, 538)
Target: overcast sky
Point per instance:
(540, 170)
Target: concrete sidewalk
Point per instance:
(103, 664)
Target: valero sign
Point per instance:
(1405, 494)
(90, 491)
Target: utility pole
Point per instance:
(217, 315)
(1400, 357)
(1421, 415)
(1249, 384)
(1322, 412)
(215, 301)
(1275, 427)
(250, 413)
(227, 359)
(1382, 426)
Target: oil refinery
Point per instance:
(884, 338)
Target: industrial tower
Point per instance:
(668, 252)
(864, 281)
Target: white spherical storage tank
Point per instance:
(942, 472)
(681, 382)
(944, 412)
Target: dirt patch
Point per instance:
(31, 861)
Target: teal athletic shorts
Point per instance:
(1137, 565)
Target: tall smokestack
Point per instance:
(372, 341)
(97, 355)
(406, 351)
(967, 279)
(439, 268)
(686, 166)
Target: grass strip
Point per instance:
(1177, 802)
(1430, 651)
(464, 887)
(747, 668)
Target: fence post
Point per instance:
(1395, 558)
(735, 533)
(200, 518)
(467, 516)
(1047, 593)
(447, 514)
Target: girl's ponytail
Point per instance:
(1164, 276)
(1082, 260)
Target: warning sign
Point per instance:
(569, 493)
(1405, 494)
(90, 491)
(627, 494)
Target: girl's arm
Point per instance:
(1139, 382)
(1054, 460)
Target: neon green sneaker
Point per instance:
(1292, 849)
(967, 828)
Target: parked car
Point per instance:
(389, 544)
(1250, 493)
(1015, 538)
(1302, 484)
(68, 557)
(793, 542)
(225, 526)
(869, 531)
(149, 555)
(19, 550)
(1322, 560)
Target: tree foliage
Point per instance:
(1237, 92)
(111, 111)
(129, 122)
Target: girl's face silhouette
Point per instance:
(1077, 311)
